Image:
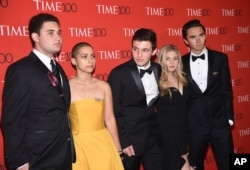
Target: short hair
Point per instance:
(144, 34)
(191, 24)
(77, 46)
(36, 22)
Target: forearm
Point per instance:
(112, 128)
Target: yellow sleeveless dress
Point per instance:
(95, 149)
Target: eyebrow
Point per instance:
(51, 30)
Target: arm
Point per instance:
(15, 104)
(227, 91)
(109, 118)
(111, 123)
(115, 83)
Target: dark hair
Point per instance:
(37, 21)
(190, 24)
(144, 34)
(77, 46)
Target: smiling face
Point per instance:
(84, 60)
(49, 39)
(196, 39)
(142, 52)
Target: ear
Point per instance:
(35, 37)
(73, 61)
(154, 52)
(186, 42)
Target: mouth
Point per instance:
(58, 44)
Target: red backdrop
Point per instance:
(109, 26)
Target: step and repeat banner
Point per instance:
(110, 25)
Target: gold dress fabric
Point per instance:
(95, 149)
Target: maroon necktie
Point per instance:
(54, 76)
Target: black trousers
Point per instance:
(151, 159)
(66, 165)
(220, 141)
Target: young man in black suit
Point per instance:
(210, 109)
(35, 104)
(134, 86)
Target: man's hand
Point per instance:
(129, 151)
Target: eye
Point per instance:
(202, 35)
(134, 49)
(93, 56)
(84, 56)
(192, 37)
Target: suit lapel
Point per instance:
(155, 71)
(210, 69)
(41, 68)
(136, 76)
(65, 87)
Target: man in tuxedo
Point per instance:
(210, 109)
(134, 86)
(35, 123)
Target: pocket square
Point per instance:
(215, 73)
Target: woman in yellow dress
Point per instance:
(91, 114)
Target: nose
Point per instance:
(198, 39)
(171, 61)
(91, 60)
(58, 37)
(139, 53)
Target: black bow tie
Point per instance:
(142, 72)
(196, 57)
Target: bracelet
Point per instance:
(122, 155)
(120, 152)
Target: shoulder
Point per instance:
(121, 69)
(102, 86)
(217, 56)
(155, 64)
(100, 83)
(216, 53)
(185, 56)
(23, 65)
(156, 67)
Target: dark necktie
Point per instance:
(55, 79)
(196, 57)
(142, 72)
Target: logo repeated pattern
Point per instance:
(109, 26)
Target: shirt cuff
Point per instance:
(231, 123)
(22, 166)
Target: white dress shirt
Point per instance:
(199, 70)
(149, 84)
(45, 59)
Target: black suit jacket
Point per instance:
(35, 121)
(214, 107)
(135, 119)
